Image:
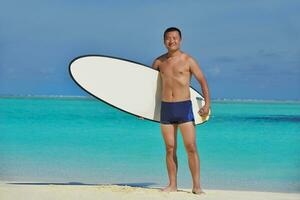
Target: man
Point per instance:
(176, 69)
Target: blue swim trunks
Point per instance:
(176, 112)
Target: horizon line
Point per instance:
(91, 97)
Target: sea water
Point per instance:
(244, 145)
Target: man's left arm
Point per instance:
(197, 72)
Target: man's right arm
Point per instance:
(155, 64)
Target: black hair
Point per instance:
(172, 29)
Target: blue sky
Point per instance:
(247, 49)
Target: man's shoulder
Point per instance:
(157, 62)
(187, 57)
(161, 58)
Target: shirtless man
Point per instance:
(176, 69)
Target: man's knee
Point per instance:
(191, 148)
(171, 149)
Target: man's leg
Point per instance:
(189, 138)
(169, 132)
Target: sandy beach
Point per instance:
(35, 191)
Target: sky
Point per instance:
(246, 49)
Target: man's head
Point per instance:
(171, 29)
(172, 38)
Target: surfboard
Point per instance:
(126, 85)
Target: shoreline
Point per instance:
(35, 191)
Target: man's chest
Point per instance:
(174, 68)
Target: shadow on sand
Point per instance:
(142, 185)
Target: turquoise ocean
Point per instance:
(246, 145)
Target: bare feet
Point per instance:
(170, 189)
(198, 191)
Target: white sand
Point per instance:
(114, 192)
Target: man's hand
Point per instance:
(204, 111)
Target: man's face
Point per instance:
(172, 41)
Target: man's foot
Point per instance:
(170, 189)
(198, 191)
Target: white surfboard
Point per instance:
(129, 86)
